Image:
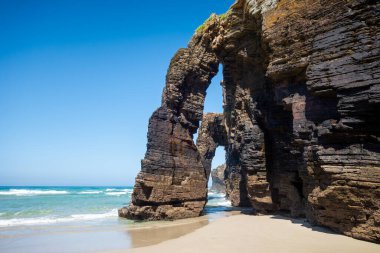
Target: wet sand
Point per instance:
(114, 235)
(247, 233)
(150, 235)
(221, 232)
(160, 231)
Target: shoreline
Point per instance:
(157, 232)
(263, 234)
(231, 231)
(84, 219)
(115, 234)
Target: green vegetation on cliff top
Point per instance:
(202, 26)
(221, 18)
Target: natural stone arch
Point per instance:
(301, 100)
(172, 183)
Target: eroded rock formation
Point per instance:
(301, 116)
(217, 176)
(172, 183)
(212, 134)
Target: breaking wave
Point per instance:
(25, 192)
(118, 192)
(52, 220)
(90, 192)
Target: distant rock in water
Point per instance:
(217, 177)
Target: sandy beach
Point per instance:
(264, 234)
(190, 126)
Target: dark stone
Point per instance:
(301, 116)
(217, 176)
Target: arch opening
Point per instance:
(214, 94)
(213, 100)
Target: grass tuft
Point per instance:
(202, 26)
(221, 18)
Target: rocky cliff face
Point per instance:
(300, 124)
(212, 134)
(217, 176)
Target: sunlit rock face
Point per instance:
(218, 183)
(211, 135)
(172, 183)
(301, 116)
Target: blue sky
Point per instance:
(79, 81)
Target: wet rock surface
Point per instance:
(300, 124)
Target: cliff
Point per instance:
(217, 176)
(300, 124)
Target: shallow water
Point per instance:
(50, 205)
(82, 219)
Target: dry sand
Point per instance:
(262, 234)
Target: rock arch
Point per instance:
(172, 183)
(301, 105)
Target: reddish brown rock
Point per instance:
(212, 134)
(217, 176)
(172, 183)
(301, 116)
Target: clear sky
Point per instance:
(79, 80)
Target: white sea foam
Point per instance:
(112, 213)
(218, 199)
(116, 193)
(118, 190)
(127, 190)
(216, 195)
(90, 192)
(51, 220)
(222, 202)
(25, 192)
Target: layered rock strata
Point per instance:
(301, 103)
(172, 183)
(217, 176)
(212, 134)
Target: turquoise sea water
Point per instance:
(74, 219)
(51, 205)
(28, 206)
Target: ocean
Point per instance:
(32, 217)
